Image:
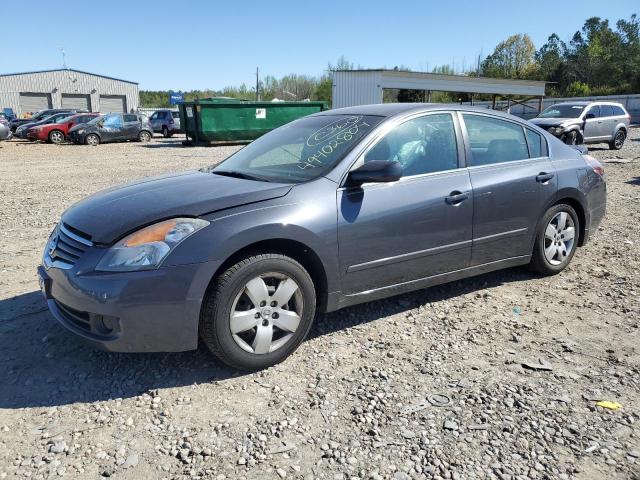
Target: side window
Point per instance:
(113, 121)
(422, 145)
(494, 140)
(175, 114)
(617, 110)
(130, 118)
(606, 111)
(154, 116)
(595, 111)
(536, 148)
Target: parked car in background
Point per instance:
(5, 132)
(41, 115)
(113, 127)
(166, 122)
(586, 122)
(334, 209)
(58, 132)
(22, 130)
(8, 113)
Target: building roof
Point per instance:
(444, 82)
(66, 70)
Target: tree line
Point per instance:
(598, 60)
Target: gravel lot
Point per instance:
(425, 385)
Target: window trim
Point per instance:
(388, 126)
(467, 141)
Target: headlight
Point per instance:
(556, 130)
(80, 131)
(148, 247)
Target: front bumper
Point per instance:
(146, 311)
(75, 137)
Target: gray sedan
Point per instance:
(334, 209)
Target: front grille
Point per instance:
(67, 246)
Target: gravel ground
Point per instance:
(425, 385)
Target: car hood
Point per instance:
(110, 214)
(554, 122)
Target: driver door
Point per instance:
(417, 227)
(111, 130)
(593, 126)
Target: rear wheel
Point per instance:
(56, 136)
(165, 132)
(144, 136)
(618, 140)
(258, 311)
(557, 240)
(92, 139)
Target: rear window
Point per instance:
(175, 114)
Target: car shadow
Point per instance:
(163, 144)
(43, 365)
(634, 181)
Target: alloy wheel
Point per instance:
(145, 137)
(266, 313)
(559, 238)
(618, 141)
(92, 140)
(56, 137)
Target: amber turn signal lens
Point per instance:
(154, 233)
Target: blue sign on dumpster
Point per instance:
(175, 98)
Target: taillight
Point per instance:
(171, 122)
(595, 165)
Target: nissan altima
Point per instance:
(331, 210)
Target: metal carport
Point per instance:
(361, 87)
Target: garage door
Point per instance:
(76, 102)
(113, 103)
(34, 102)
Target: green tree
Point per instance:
(512, 58)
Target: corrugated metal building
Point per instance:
(361, 87)
(67, 88)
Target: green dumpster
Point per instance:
(227, 120)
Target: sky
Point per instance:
(199, 44)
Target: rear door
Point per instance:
(393, 233)
(594, 128)
(512, 178)
(608, 121)
(131, 126)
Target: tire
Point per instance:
(618, 140)
(554, 248)
(56, 136)
(230, 293)
(165, 132)
(92, 139)
(144, 136)
(570, 138)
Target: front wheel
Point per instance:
(557, 240)
(92, 140)
(258, 311)
(618, 140)
(144, 136)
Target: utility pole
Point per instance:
(64, 58)
(257, 84)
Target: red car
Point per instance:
(57, 132)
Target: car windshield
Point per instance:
(95, 120)
(298, 151)
(562, 111)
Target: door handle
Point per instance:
(544, 177)
(456, 197)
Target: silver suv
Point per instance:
(165, 121)
(586, 122)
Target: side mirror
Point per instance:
(589, 116)
(376, 171)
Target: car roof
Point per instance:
(398, 109)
